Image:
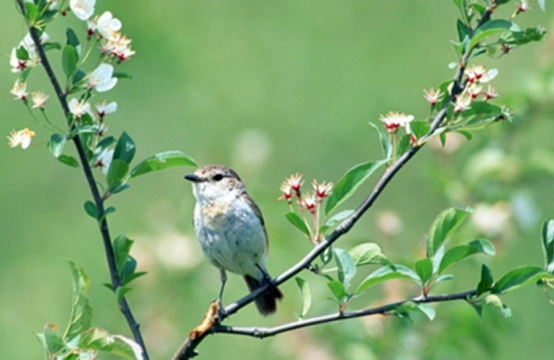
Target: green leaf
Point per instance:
(524, 37)
(68, 160)
(387, 273)
(338, 217)
(486, 281)
(442, 278)
(56, 144)
(129, 267)
(116, 173)
(91, 210)
(162, 161)
(69, 61)
(403, 144)
(457, 253)
(519, 277)
(463, 30)
(297, 221)
(31, 11)
(72, 38)
(100, 340)
(121, 246)
(306, 296)
(419, 128)
(548, 244)
(442, 227)
(21, 53)
(124, 149)
(127, 279)
(424, 269)
(495, 302)
(465, 133)
(350, 183)
(122, 75)
(385, 141)
(346, 266)
(338, 290)
(368, 253)
(81, 312)
(120, 293)
(53, 341)
(408, 307)
(491, 28)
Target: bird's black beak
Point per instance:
(193, 178)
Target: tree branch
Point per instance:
(98, 200)
(263, 332)
(187, 349)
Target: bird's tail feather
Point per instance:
(266, 302)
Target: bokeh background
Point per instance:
(270, 89)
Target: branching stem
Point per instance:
(98, 200)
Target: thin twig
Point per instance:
(98, 201)
(263, 332)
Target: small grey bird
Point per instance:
(231, 230)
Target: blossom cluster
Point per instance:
(476, 76)
(308, 202)
(103, 31)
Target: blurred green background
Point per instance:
(270, 89)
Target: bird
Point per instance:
(231, 231)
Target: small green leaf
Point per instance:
(72, 38)
(69, 61)
(486, 281)
(91, 210)
(97, 339)
(56, 144)
(519, 277)
(306, 296)
(121, 246)
(419, 128)
(120, 292)
(53, 341)
(339, 217)
(122, 75)
(491, 28)
(387, 273)
(457, 253)
(548, 244)
(346, 266)
(21, 53)
(408, 307)
(129, 267)
(31, 11)
(424, 269)
(385, 141)
(338, 290)
(442, 227)
(442, 278)
(495, 302)
(161, 161)
(367, 253)
(403, 144)
(463, 30)
(297, 221)
(116, 173)
(350, 183)
(68, 160)
(124, 149)
(126, 280)
(466, 134)
(81, 312)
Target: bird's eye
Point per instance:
(218, 177)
